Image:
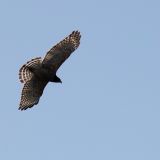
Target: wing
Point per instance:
(60, 52)
(31, 93)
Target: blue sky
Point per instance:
(108, 105)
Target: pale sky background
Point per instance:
(108, 106)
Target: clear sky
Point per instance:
(108, 106)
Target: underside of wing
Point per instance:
(60, 52)
(31, 93)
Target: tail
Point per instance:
(25, 74)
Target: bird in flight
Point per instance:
(37, 72)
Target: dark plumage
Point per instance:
(36, 73)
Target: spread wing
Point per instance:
(61, 51)
(31, 93)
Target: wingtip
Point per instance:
(24, 107)
(76, 32)
(21, 108)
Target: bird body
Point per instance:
(37, 72)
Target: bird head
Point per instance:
(57, 80)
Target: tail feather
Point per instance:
(25, 73)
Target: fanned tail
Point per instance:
(24, 73)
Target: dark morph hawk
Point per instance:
(36, 73)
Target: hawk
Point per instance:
(37, 72)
